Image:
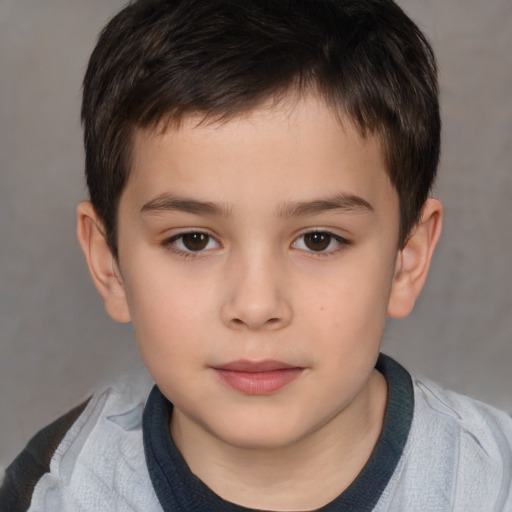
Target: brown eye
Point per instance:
(191, 243)
(317, 241)
(195, 241)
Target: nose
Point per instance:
(257, 296)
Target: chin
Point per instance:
(259, 435)
(260, 441)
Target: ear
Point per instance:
(102, 263)
(413, 261)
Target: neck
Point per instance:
(304, 475)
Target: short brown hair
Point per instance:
(164, 59)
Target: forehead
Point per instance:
(299, 145)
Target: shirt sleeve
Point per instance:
(33, 462)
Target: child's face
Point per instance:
(258, 258)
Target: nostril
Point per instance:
(237, 322)
(246, 311)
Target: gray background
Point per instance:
(56, 342)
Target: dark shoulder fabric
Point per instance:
(30, 465)
(179, 490)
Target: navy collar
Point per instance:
(179, 490)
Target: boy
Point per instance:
(259, 175)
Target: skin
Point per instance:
(261, 287)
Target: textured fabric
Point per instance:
(457, 457)
(99, 465)
(33, 462)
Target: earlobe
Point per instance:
(101, 262)
(413, 261)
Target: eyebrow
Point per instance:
(346, 202)
(169, 203)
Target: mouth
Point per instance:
(257, 378)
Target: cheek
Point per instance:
(170, 339)
(168, 315)
(350, 304)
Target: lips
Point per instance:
(257, 378)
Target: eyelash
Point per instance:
(170, 243)
(340, 241)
